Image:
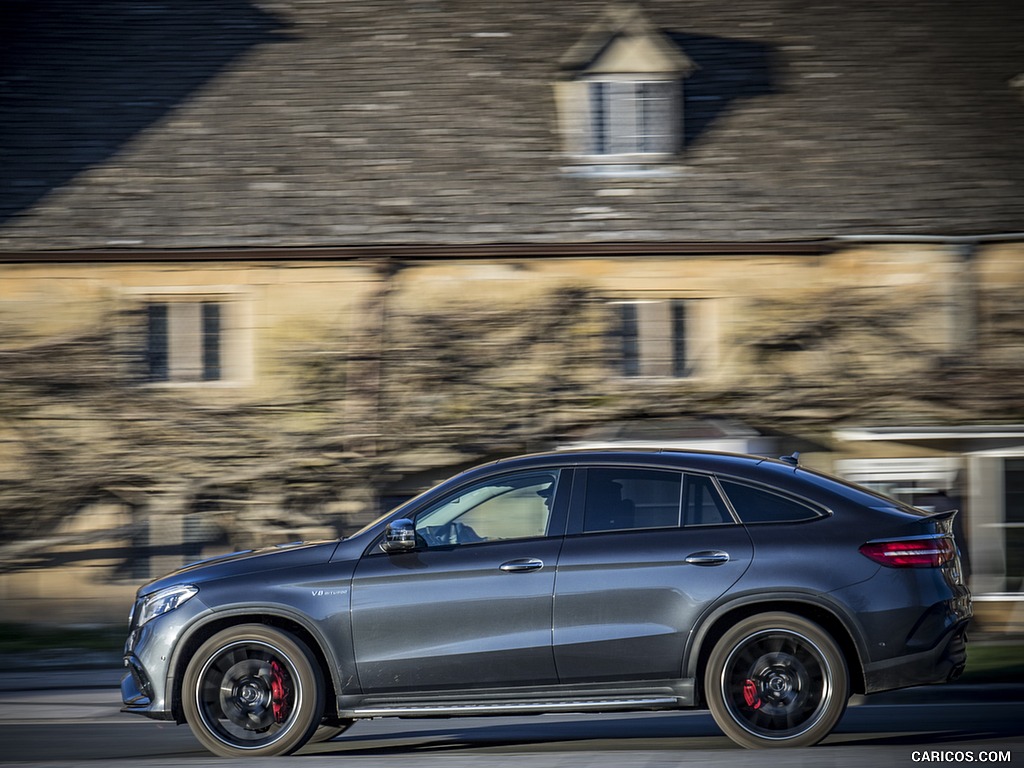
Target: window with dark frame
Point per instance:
(183, 341)
(654, 337)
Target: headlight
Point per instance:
(159, 603)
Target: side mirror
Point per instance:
(399, 536)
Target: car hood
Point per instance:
(291, 555)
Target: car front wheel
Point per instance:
(253, 691)
(776, 680)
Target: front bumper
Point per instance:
(147, 685)
(137, 692)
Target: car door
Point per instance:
(471, 606)
(647, 550)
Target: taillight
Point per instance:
(918, 552)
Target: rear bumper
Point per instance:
(940, 664)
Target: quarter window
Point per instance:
(756, 505)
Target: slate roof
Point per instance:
(229, 123)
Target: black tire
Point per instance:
(253, 691)
(776, 680)
(328, 732)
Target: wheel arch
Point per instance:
(214, 623)
(718, 622)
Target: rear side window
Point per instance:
(622, 498)
(757, 505)
(634, 498)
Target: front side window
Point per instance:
(183, 341)
(758, 505)
(515, 506)
(633, 117)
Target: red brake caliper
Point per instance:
(279, 690)
(750, 694)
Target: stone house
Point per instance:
(268, 267)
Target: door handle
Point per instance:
(708, 557)
(522, 565)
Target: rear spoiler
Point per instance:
(942, 514)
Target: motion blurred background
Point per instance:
(269, 268)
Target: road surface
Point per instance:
(948, 725)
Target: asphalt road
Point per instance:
(943, 726)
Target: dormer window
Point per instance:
(621, 96)
(634, 117)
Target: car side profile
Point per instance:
(577, 581)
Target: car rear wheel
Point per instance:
(253, 691)
(776, 680)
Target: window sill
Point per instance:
(219, 384)
(623, 170)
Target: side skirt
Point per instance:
(653, 695)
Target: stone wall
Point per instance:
(367, 377)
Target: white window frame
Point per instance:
(627, 121)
